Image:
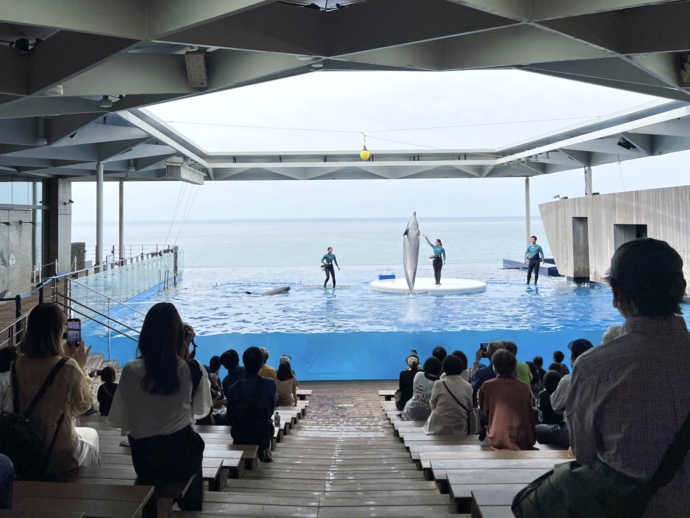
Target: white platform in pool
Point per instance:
(449, 286)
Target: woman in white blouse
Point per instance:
(451, 399)
(160, 395)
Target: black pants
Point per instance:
(330, 271)
(437, 264)
(167, 459)
(533, 266)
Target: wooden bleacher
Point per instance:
(461, 465)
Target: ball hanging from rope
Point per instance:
(364, 154)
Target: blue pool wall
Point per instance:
(365, 355)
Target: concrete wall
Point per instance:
(57, 244)
(611, 220)
(15, 252)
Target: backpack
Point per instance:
(251, 423)
(18, 440)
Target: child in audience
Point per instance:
(506, 402)
(546, 412)
(106, 392)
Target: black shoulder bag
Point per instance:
(574, 490)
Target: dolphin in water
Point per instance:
(411, 251)
(284, 289)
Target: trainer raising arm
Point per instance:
(439, 258)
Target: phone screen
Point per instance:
(484, 346)
(73, 331)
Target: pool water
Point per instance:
(354, 332)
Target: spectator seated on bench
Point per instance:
(160, 395)
(251, 403)
(629, 398)
(447, 416)
(406, 380)
(106, 392)
(506, 402)
(417, 408)
(69, 395)
(286, 385)
(231, 361)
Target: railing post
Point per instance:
(40, 294)
(17, 314)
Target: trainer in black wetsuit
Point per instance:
(533, 255)
(328, 260)
(439, 258)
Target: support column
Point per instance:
(528, 222)
(588, 180)
(122, 222)
(99, 213)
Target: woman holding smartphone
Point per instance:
(68, 396)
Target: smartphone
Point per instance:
(484, 346)
(73, 332)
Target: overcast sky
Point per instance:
(325, 111)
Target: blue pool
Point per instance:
(354, 332)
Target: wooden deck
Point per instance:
(343, 459)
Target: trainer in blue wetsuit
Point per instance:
(439, 258)
(327, 261)
(533, 255)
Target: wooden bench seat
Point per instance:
(440, 468)
(387, 394)
(492, 504)
(303, 393)
(50, 498)
(463, 483)
(425, 458)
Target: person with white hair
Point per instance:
(611, 333)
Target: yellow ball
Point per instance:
(364, 154)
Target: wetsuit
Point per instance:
(328, 268)
(439, 259)
(535, 255)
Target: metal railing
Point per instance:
(98, 294)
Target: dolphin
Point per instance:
(284, 289)
(411, 251)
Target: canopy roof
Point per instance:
(76, 74)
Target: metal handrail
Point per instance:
(117, 303)
(14, 330)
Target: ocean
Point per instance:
(353, 332)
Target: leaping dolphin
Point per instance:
(411, 251)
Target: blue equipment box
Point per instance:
(383, 276)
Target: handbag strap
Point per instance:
(453, 396)
(41, 391)
(196, 374)
(673, 458)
